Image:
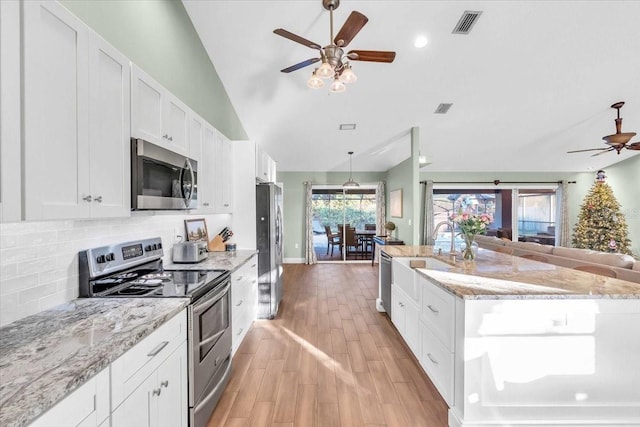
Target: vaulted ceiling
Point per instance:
(531, 81)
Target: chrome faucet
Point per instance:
(453, 234)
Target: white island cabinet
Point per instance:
(76, 118)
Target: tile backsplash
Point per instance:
(39, 260)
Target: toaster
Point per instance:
(189, 252)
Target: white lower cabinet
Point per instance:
(149, 381)
(88, 406)
(161, 398)
(244, 297)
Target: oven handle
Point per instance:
(209, 299)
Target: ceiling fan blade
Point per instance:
(300, 65)
(371, 55)
(296, 38)
(351, 27)
(602, 152)
(633, 146)
(591, 149)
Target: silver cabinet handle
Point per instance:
(87, 198)
(170, 138)
(253, 265)
(156, 392)
(433, 309)
(401, 304)
(158, 348)
(226, 205)
(98, 199)
(434, 361)
(165, 136)
(164, 383)
(205, 204)
(240, 331)
(239, 304)
(239, 278)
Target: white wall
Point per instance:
(39, 260)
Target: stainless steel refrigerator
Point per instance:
(270, 247)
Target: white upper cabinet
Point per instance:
(158, 116)
(223, 174)
(109, 130)
(10, 189)
(215, 180)
(76, 110)
(196, 136)
(265, 166)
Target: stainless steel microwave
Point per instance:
(162, 179)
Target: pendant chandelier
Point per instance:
(350, 182)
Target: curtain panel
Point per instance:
(309, 252)
(562, 230)
(427, 215)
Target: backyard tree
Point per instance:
(601, 226)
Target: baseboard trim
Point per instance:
(294, 260)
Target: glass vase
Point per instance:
(470, 248)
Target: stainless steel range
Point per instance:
(134, 269)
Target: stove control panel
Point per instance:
(105, 259)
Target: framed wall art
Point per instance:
(196, 230)
(395, 204)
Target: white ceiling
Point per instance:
(531, 81)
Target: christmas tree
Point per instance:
(601, 226)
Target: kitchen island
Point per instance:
(511, 341)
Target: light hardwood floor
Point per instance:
(328, 359)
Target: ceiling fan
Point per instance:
(335, 63)
(616, 141)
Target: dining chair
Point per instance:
(602, 271)
(332, 240)
(351, 241)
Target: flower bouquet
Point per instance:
(470, 225)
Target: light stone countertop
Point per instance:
(46, 356)
(494, 275)
(231, 260)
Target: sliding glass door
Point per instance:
(343, 222)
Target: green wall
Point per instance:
(401, 177)
(158, 36)
(294, 202)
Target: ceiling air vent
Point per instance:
(466, 22)
(348, 126)
(443, 108)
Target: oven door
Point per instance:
(209, 339)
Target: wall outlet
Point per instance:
(178, 235)
(297, 246)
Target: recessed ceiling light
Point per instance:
(421, 41)
(348, 126)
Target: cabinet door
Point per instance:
(175, 125)
(196, 136)
(139, 409)
(397, 309)
(223, 175)
(56, 152)
(412, 327)
(146, 107)
(206, 173)
(109, 130)
(10, 190)
(172, 382)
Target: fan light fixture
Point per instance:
(350, 182)
(335, 61)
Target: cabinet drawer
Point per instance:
(438, 311)
(133, 367)
(437, 361)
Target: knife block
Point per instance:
(216, 244)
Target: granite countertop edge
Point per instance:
(229, 260)
(495, 275)
(52, 343)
